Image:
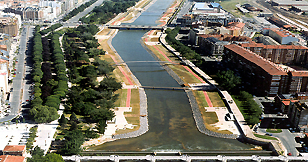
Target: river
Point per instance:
(171, 124)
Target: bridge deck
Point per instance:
(142, 27)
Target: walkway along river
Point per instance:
(171, 123)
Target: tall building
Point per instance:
(279, 54)
(264, 77)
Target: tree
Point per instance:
(52, 157)
(74, 126)
(73, 140)
(44, 114)
(109, 84)
(63, 121)
(37, 151)
(228, 80)
(73, 118)
(37, 155)
(101, 125)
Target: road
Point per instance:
(287, 139)
(15, 98)
(85, 12)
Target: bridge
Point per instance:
(135, 27)
(164, 62)
(187, 158)
(165, 88)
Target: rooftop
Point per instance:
(291, 3)
(9, 158)
(14, 148)
(282, 32)
(236, 24)
(299, 73)
(267, 66)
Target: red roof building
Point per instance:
(265, 77)
(9, 158)
(16, 150)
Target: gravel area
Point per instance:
(199, 120)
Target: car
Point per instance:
(279, 114)
(6, 114)
(269, 134)
(289, 154)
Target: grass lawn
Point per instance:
(199, 95)
(186, 76)
(132, 117)
(265, 137)
(121, 101)
(208, 117)
(230, 7)
(216, 99)
(273, 130)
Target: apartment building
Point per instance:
(298, 81)
(279, 54)
(214, 43)
(298, 114)
(9, 25)
(263, 76)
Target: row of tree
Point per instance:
(180, 47)
(249, 108)
(51, 28)
(44, 106)
(38, 112)
(89, 99)
(102, 14)
(78, 9)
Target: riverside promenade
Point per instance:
(246, 133)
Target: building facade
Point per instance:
(264, 77)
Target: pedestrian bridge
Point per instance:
(164, 62)
(187, 158)
(135, 27)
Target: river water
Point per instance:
(171, 124)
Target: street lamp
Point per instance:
(274, 123)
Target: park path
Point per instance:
(129, 90)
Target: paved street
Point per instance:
(15, 98)
(85, 12)
(287, 139)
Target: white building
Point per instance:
(51, 9)
(282, 36)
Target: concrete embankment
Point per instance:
(144, 126)
(246, 133)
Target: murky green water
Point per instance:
(171, 124)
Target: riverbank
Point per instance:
(131, 108)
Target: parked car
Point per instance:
(269, 134)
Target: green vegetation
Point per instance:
(265, 137)
(38, 155)
(248, 107)
(41, 111)
(102, 14)
(88, 101)
(228, 80)
(273, 130)
(77, 10)
(30, 140)
(180, 47)
(51, 28)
